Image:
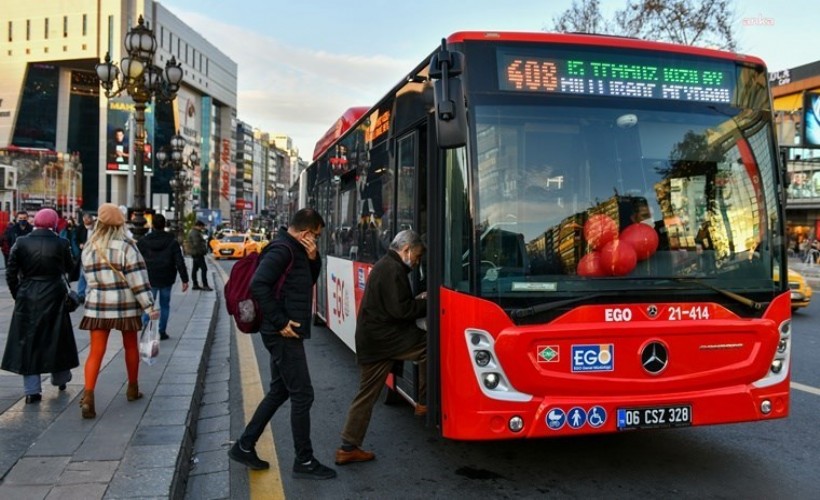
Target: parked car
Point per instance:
(234, 246)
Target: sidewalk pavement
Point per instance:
(132, 449)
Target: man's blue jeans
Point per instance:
(82, 284)
(164, 306)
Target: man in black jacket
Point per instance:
(20, 227)
(386, 331)
(198, 248)
(163, 258)
(283, 286)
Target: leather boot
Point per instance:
(87, 404)
(133, 393)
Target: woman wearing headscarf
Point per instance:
(117, 295)
(40, 339)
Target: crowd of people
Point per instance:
(125, 283)
(121, 283)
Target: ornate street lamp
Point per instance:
(181, 183)
(143, 81)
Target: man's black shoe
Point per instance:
(163, 336)
(313, 470)
(206, 288)
(196, 287)
(247, 458)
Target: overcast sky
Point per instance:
(303, 63)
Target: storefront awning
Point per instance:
(791, 102)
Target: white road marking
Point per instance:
(805, 388)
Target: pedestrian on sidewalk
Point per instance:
(69, 232)
(163, 258)
(118, 294)
(286, 320)
(198, 248)
(83, 233)
(386, 332)
(40, 338)
(20, 227)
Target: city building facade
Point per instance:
(51, 107)
(796, 101)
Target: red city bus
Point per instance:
(604, 220)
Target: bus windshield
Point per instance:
(694, 181)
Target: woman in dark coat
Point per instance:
(40, 338)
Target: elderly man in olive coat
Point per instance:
(386, 331)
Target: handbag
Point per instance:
(149, 342)
(72, 298)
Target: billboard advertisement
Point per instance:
(118, 135)
(41, 178)
(811, 120)
(188, 107)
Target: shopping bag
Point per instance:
(149, 342)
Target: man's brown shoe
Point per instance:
(355, 455)
(421, 410)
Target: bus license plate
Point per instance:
(654, 418)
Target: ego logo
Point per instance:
(593, 358)
(340, 307)
(618, 314)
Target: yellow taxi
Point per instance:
(259, 239)
(801, 291)
(234, 246)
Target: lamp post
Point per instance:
(143, 81)
(181, 182)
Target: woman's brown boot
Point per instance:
(87, 404)
(133, 393)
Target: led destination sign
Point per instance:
(618, 76)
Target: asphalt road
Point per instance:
(776, 459)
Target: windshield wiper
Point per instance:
(757, 306)
(526, 312)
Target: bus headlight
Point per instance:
(491, 380)
(786, 328)
(490, 377)
(482, 358)
(777, 365)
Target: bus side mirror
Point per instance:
(450, 108)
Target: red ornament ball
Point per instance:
(590, 265)
(599, 230)
(618, 258)
(643, 238)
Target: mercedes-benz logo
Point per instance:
(652, 311)
(654, 358)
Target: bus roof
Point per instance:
(352, 115)
(338, 129)
(592, 39)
